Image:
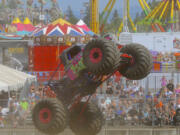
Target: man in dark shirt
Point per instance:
(170, 86)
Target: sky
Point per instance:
(77, 5)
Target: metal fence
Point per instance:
(144, 112)
(123, 116)
(151, 82)
(139, 112)
(154, 81)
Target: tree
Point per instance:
(153, 4)
(55, 11)
(29, 3)
(115, 15)
(70, 16)
(1, 6)
(115, 22)
(137, 18)
(12, 4)
(143, 25)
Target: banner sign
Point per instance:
(176, 43)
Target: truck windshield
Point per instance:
(73, 52)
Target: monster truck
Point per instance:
(87, 67)
(176, 118)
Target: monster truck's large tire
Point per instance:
(49, 116)
(176, 119)
(89, 122)
(100, 56)
(141, 62)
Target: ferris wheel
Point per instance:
(164, 13)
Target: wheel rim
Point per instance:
(45, 115)
(95, 55)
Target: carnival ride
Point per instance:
(154, 18)
(164, 13)
(156, 27)
(94, 16)
(102, 20)
(98, 23)
(126, 18)
(105, 14)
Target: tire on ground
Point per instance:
(142, 64)
(100, 56)
(49, 116)
(89, 122)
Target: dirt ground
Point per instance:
(105, 131)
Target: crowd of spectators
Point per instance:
(164, 57)
(130, 104)
(122, 102)
(15, 112)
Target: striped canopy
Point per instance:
(60, 27)
(24, 28)
(82, 25)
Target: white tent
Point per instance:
(3, 86)
(11, 79)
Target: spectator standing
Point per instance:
(24, 110)
(163, 81)
(37, 95)
(140, 92)
(168, 93)
(177, 90)
(146, 117)
(108, 101)
(170, 86)
(32, 93)
(24, 104)
(122, 94)
(13, 110)
(1, 118)
(103, 105)
(22, 115)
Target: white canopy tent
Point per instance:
(11, 79)
(3, 86)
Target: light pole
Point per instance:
(125, 19)
(41, 14)
(41, 17)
